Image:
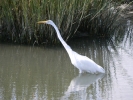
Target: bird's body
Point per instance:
(83, 63)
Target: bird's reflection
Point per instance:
(80, 84)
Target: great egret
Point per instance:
(83, 63)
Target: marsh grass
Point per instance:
(103, 25)
(18, 19)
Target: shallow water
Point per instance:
(46, 73)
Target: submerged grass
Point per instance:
(18, 19)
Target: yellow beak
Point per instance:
(41, 22)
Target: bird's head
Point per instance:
(45, 22)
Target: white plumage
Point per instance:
(83, 63)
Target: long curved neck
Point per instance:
(67, 47)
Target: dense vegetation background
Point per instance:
(91, 18)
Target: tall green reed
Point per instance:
(104, 23)
(18, 19)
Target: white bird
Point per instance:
(83, 63)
